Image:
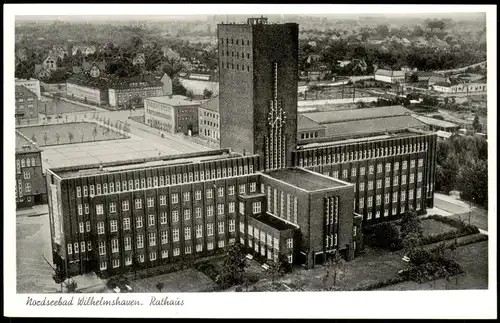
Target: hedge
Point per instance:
(459, 224)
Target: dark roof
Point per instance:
(372, 126)
(128, 82)
(442, 84)
(304, 179)
(304, 123)
(23, 144)
(88, 81)
(212, 104)
(273, 222)
(385, 72)
(357, 114)
(436, 122)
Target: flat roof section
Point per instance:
(357, 114)
(274, 222)
(436, 122)
(304, 123)
(107, 168)
(308, 181)
(174, 100)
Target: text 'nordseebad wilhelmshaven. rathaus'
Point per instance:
(93, 301)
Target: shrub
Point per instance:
(380, 284)
(459, 224)
(419, 256)
(386, 235)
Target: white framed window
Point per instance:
(138, 222)
(197, 195)
(127, 242)
(70, 249)
(98, 188)
(379, 183)
(105, 188)
(370, 169)
(378, 199)
(369, 216)
(253, 187)
(92, 190)
(402, 209)
(362, 171)
(250, 230)
(353, 172)
(396, 166)
(361, 203)
(379, 168)
(152, 238)
(410, 195)
(163, 200)
(386, 212)
(175, 198)
(370, 201)
(138, 204)
(111, 187)
(362, 186)
(89, 245)
(210, 246)
(175, 235)
(210, 229)
(126, 223)
(199, 247)
(420, 162)
(177, 252)
(188, 250)
(198, 213)
(405, 165)
(78, 189)
(344, 173)
(103, 265)
(99, 209)
(175, 216)
(209, 193)
(220, 244)
(403, 179)
(419, 177)
(141, 258)
(220, 226)
(163, 218)
(412, 178)
(87, 208)
(231, 190)
(125, 205)
(220, 191)
(151, 202)
(87, 225)
(143, 183)
(117, 187)
(231, 206)
(412, 163)
(102, 248)
(403, 196)
(289, 243)
(164, 254)
(370, 185)
(377, 214)
(210, 210)
(100, 227)
(242, 188)
(394, 197)
(199, 231)
(140, 241)
(114, 246)
(152, 256)
(419, 193)
(242, 208)
(388, 167)
(186, 196)
(187, 233)
(151, 219)
(164, 237)
(256, 207)
(80, 209)
(113, 225)
(232, 225)
(386, 198)
(220, 209)
(112, 207)
(396, 180)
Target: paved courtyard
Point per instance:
(46, 135)
(49, 107)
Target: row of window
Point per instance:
(210, 123)
(285, 209)
(103, 265)
(166, 180)
(395, 181)
(28, 162)
(402, 210)
(19, 187)
(371, 169)
(307, 135)
(265, 238)
(236, 66)
(27, 99)
(271, 253)
(235, 54)
(232, 41)
(211, 115)
(328, 158)
(378, 198)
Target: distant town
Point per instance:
(251, 154)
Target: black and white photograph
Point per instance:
(299, 157)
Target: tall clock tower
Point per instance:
(258, 76)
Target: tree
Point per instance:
(234, 265)
(410, 223)
(57, 137)
(94, 132)
(386, 236)
(70, 136)
(160, 286)
(207, 93)
(335, 269)
(413, 78)
(45, 138)
(476, 125)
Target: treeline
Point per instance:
(462, 164)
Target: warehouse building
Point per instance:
(173, 113)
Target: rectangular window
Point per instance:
(175, 216)
(256, 207)
(151, 220)
(232, 225)
(412, 178)
(140, 241)
(231, 190)
(242, 189)
(151, 202)
(152, 238)
(370, 169)
(419, 177)
(186, 196)
(379, 168)
(111, 187)
(105, 188)
(220, 191)
(362, 171)
(175, 198)
(379, 199)
(163, 200)
(209, 193)
(102, 248)
(113, 225)
(344, 173)
(388, 167)
(199, 231)
(138, 222)
(80, 209)
(112, 207)
(253, 187)
(81, 227)
(396, 181)
(220, 226)
(289, 243)
(396, 166)
(405, 165)
(220, 244)
(164, 237)
(394, 197)
(87, 225)
(353, 172)
(99, 209)
(127, 243)
(370, 201)
(103, 265)
(220, 209)
(126, 223)
(197, 195)
(242, 208)
(210, 210)
(412, 163)
(231, 206)
(152, 256)
(92, 191)
(138, 204)
(78, 189)
(361, 203)
(114, 246)
(100, 227)
(403, 179)
(210, 229)
(420, 162)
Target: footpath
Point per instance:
(36, 210)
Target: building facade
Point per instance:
(26, 106)
(209, 120)
(108, 218)
(31, 84)
(132, 91)
(30, 182)
(258, 76)
(389, 76)
(174, 113)
(87, 88)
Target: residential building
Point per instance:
(132, 90)
(139, 59)
(94, 69)
(407, 70)
(50, 63)
(209, 120)
(389, 76)
(26, 105)
(87, 88)
(170, 53)
(83, 49)
(174, 113)
(437, 79)
(31, 84)
(30, 182)
(41, 72)
(459, 88)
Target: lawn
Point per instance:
(190, 280)
(51, 108)
(478, 217)
(433, 227)
(82, 132)
(474, 260)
